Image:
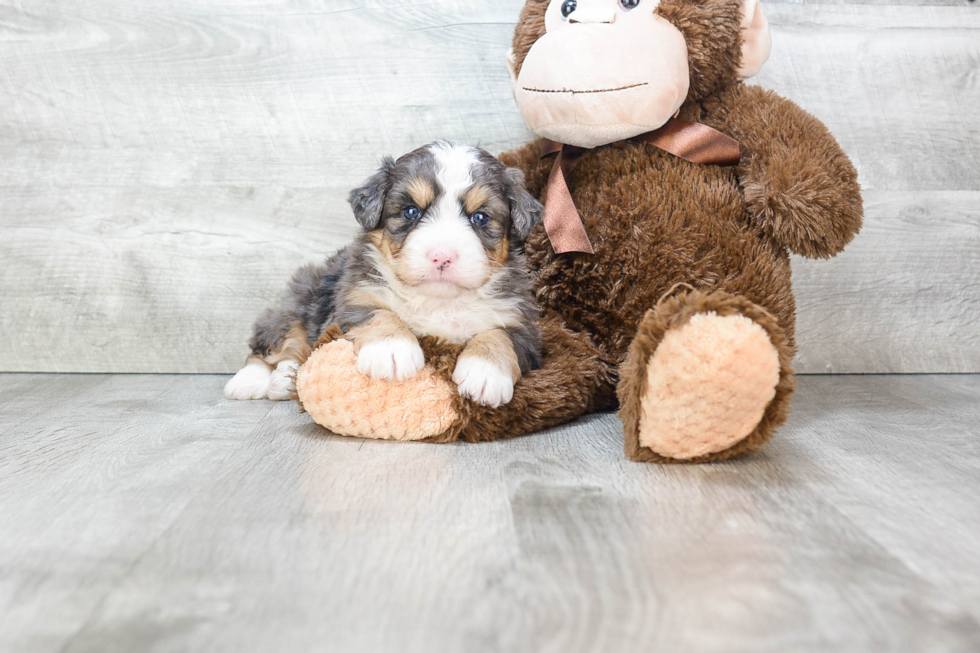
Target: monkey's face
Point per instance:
(607, 70)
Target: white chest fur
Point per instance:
(456, 318)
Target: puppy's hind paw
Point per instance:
(251, 382)
(483, 382)
(282, 385)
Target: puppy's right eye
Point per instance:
(568, 7)
(412, 213)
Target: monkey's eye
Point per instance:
(412, 213)
(480, 219)
(569, 6)
(629, 5)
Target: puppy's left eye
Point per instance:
(629, 4)
(480, 219)
(412, 213)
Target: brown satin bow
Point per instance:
(691, 141)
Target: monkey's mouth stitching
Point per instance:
(599, 90)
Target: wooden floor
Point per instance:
(146, 513)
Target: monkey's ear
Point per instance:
(756, 40)
(525, 211)
(512, 67)
(368, 200)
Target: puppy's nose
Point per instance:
(442, 258)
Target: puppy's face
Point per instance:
(445, 216)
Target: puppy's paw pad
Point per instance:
(483, 382)
(251, 382)
(392, 359)
(283, 381)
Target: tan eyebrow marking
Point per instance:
(475, 197)
(421, 192)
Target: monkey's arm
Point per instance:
(799, 185)
(528, 159)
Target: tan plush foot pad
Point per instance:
(341, 398)
(708, 385)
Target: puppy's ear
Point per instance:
(368, 201)
(525, 211)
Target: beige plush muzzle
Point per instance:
(593, 83)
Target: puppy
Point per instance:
(441, 254)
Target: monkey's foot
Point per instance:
(708, 378)
(708, 385)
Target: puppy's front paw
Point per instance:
(483, 382)
(392, 359)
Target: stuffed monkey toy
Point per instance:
(674, 194)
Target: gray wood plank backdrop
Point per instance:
(168, 163)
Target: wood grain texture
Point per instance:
(916, 268)
(145, 514)
(167, 165)
(93, 470)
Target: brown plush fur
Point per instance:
(672, 239)
(529, 28)
(712, 30)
